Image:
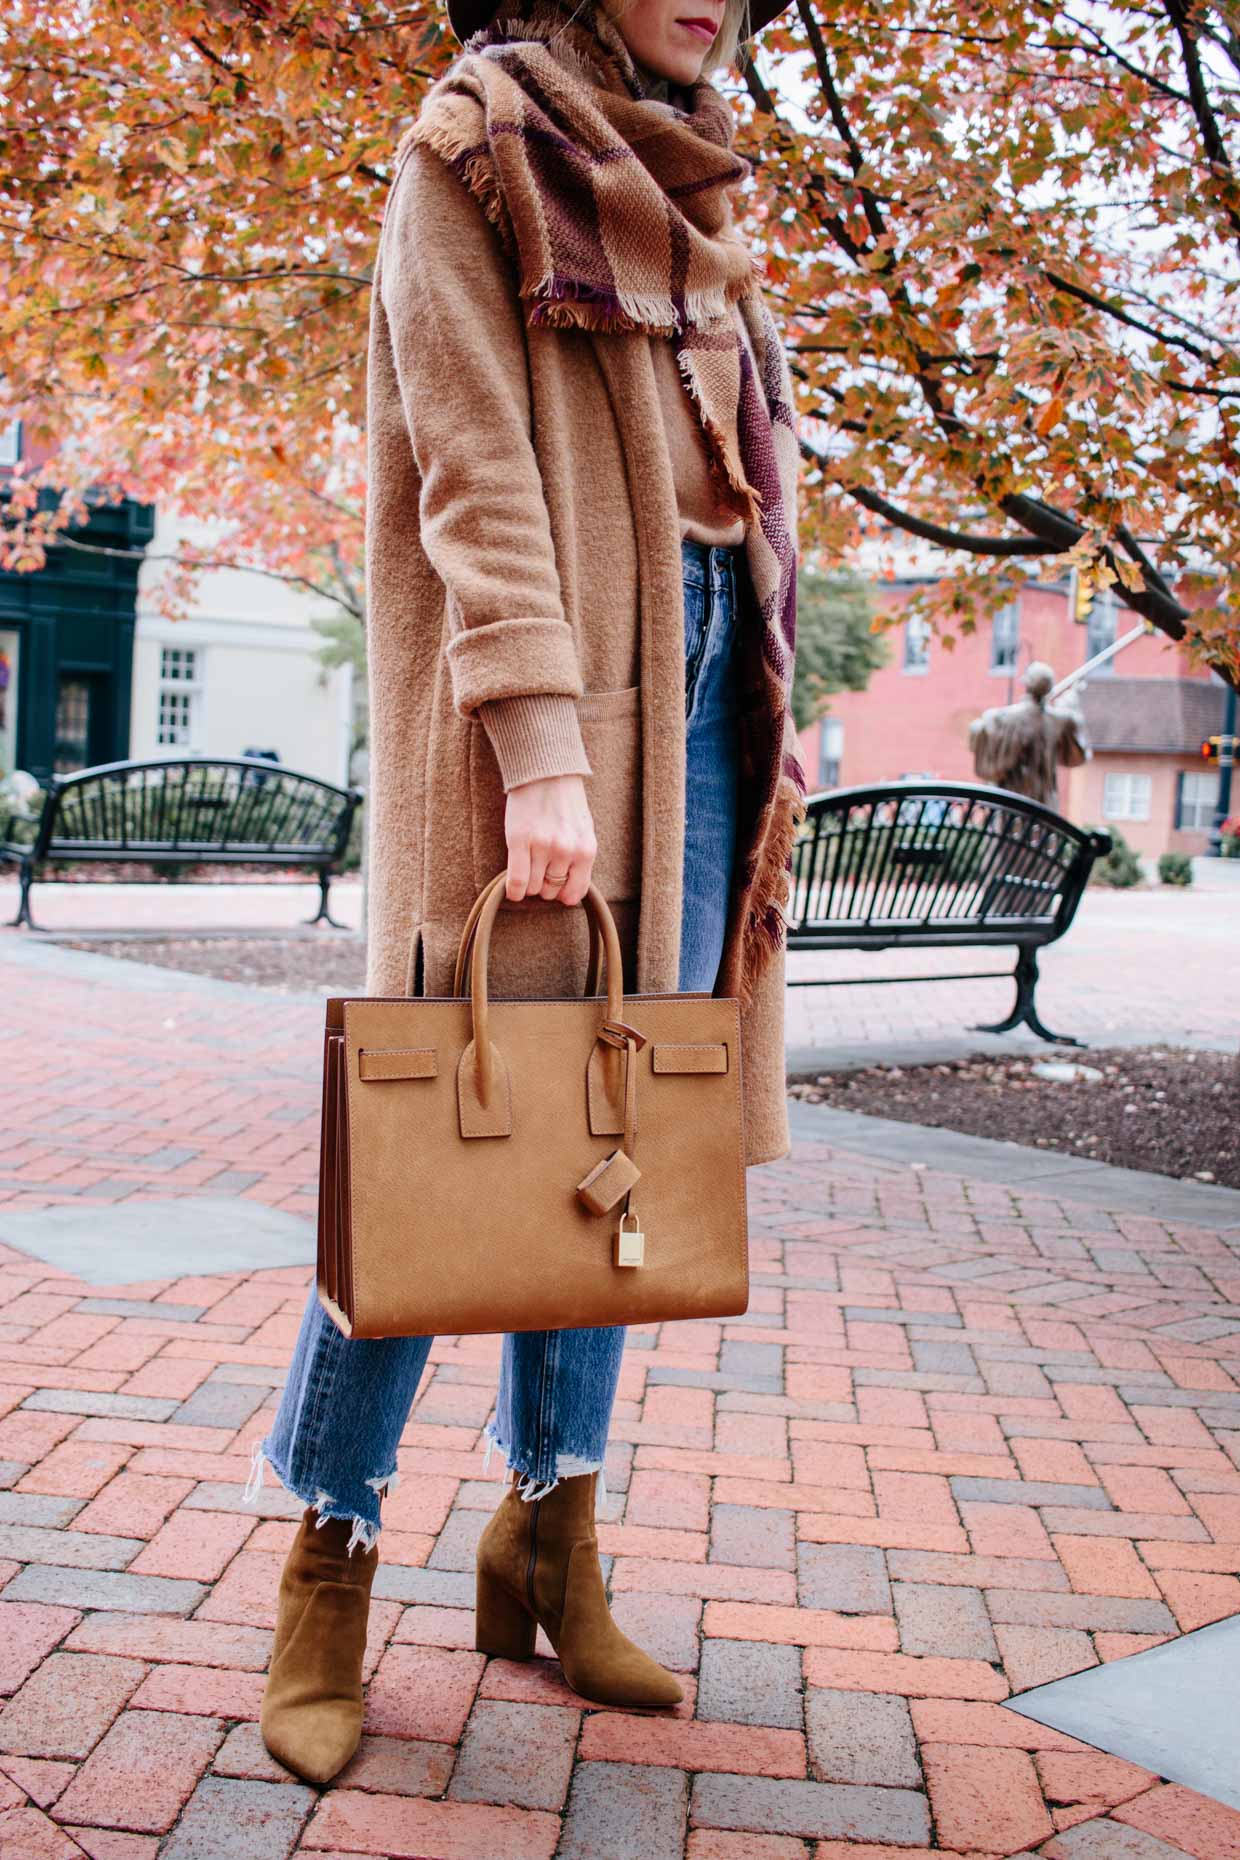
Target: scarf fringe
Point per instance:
(571, 303)
(728, 478)
(477, 170)
(474, 165)
(567, 303)
(766, 920)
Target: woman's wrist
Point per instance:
(534, 735)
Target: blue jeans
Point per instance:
(716, 583)
(346, 1400)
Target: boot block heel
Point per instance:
(503, 1627)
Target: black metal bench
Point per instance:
(934, 866)
(190, 811)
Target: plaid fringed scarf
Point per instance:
(616, 209)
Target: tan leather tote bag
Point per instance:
(519, 1165)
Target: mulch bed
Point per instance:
(315, 961)
(1160, 1108)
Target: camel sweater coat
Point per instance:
(526, 618)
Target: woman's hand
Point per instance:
(550, 835)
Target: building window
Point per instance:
(75, 701)
(1197, 800)
(1126, 797)
(10, 442)
(1005, 638)
(179, 696)
(1102, 629)
(916, 644)
(830, 752)
(10, 672)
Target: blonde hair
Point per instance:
(733, 28)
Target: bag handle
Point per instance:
(481, 920)
(593, 967)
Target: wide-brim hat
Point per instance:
(469, 16)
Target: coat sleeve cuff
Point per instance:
(511, 658)
(534, 736)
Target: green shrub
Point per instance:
(1121, 868)
(1175, 868)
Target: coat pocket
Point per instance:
(611, 731)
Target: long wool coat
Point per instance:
(523, 537)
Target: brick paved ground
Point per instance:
(965, 1440)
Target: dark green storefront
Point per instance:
(66, 648)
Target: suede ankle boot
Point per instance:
(538, 1566)
(311, 1717)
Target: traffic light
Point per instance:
(1210, 748)
(1220, 748)
(1083, 592)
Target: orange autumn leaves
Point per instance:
(1006, 242)
(190, 199)
(1003, 240)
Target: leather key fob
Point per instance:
(610, 1179)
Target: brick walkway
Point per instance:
(966, 1440)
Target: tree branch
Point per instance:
(1181, 19)
(1003, 546)
(304, 582)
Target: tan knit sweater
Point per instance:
(538, 735)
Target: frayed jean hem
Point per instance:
(528, 1485)
(365, 1530)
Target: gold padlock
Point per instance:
(630, 1242)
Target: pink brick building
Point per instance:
(1147, 713)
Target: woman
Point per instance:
(581, 561)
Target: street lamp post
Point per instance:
(1023, 649)
(1099, 659)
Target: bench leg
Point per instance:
(23, 918)
(323, 915)
(1024, 1009)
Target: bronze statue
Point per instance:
(1022, 746)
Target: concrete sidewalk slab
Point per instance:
(155, 1239)
(1172, 1710)
(984, 1159)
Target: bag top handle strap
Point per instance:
(487, 906)
(593, 969)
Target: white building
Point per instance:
(242, 671)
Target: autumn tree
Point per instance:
(837, 645)
(190, 197)
(1003, 239)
